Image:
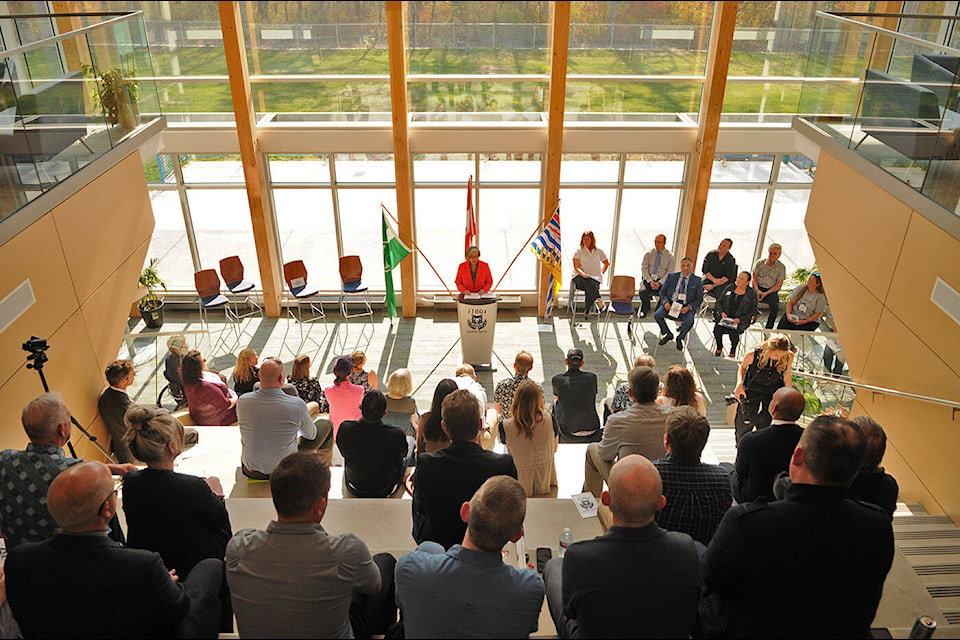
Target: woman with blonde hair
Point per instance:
(245, 372)
(761, 373)
(308, 387)
(366, 379)
(532, 439)
(401, 408)
(680, 389)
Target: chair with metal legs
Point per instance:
(208, 289)
(305, 294)
(231, 270)
(622, 289)
(351, 272)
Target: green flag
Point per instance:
(394, 251)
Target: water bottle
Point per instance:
(566, 539)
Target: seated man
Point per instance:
(79, 583)
(763, 454)
(768, 278)
(113, 404)
(375, 454)
(639, 428)
(295, 580)
(271, 421)
(698, 494)
(504, 391)
(23, 513)
(447, 478)
(719, 268)
(575, 401)
(680, 298)
(468, 592)
(636, 580)
(657, 263)
(810, 566)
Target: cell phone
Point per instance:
(543, 555)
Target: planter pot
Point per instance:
(153, 317)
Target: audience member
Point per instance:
(589, 265)
(575, 401)
(504, 391)
(809, 566)
(176, 347)
(447, 478)
(211, 402)
(274, 425)
(805, 306)
(23, 511)
(245, 372)
(295, 580)
(656, 264)
(401, 407)
(343, 397)
(680, 299)
(79, 583)
(180, 516)
(698, 494)
(466, 378)
(760, 374)
(358, 376)
(468, 592)
(734, 311)
(430, 434)
(621, 395)
(637, 429)
(636, 580)
(764, 453)
(719, 268)
(113, 404)
(376, 455)
(680, 390)
(532, 438)
(768, 278)
(308, 387)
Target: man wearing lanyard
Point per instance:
(684, 290)
(657, 263)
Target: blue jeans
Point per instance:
(686, 321)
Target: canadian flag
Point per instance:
(470, 238)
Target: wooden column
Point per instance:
(397, 53)
(75, 51)
(711, 106)
(264, 232)
(556, 99)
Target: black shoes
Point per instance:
(718, 352)
(665, 339)
(679, 344)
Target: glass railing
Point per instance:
(66, 100)
(904, 114)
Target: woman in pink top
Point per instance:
(343, 396)
(211, 402)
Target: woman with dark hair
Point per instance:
(211, 402)
(430, 435)
(590, 263)
(532, 438)
(308, 388)
(736, 306)
(343, 397)
(805, 306)
(680, 390)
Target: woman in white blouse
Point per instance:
(589, 264)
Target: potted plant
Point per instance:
(116, 94)
(150, 306)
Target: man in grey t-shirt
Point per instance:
(768, 277)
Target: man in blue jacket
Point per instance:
(684, 290)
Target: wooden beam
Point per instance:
(264, 232)
(75, 52)
(711, 107)
(559, 40)
(397, 54)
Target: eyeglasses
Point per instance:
(116, 490)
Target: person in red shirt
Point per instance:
(473, 275)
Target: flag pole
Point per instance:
(420, 251)
(525, 245)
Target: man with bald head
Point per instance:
(273, 424)
(809, 566)
(79, 583)
(26, 475)
(763, 454)
(635, 580)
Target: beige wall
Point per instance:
(879, 261)
(83, 259)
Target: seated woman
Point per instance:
(210, 400)
(343, 397)
(245, 372)
(401, 408)
(734, 311)
(589, 265)
(621, 396)
(180, 516)
(308, 388)
(176, 347)
(473, 275)
(430, 435)
(805, 306)
(532, 439)
(680, 389)
(366, 379)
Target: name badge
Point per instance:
(681, 297)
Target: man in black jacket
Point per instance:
(374, 453)
(447, 478)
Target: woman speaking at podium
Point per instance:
(473, 275)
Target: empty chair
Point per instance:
(351, 272)
(208, 288)
(231, 270)
(622, 289)
(295, 275)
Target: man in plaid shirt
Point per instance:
(697, 494)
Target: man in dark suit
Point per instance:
(763, 454)
(686, 290)
(81, 584)
(113, 404)
(447, 478)
(809, 566)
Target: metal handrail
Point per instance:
(129, 15)
(875, 389)
(887, 32)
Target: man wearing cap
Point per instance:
(575, 401)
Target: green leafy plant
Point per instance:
(794, 280)
(115, 94)
(150, 279)
(812, 404)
